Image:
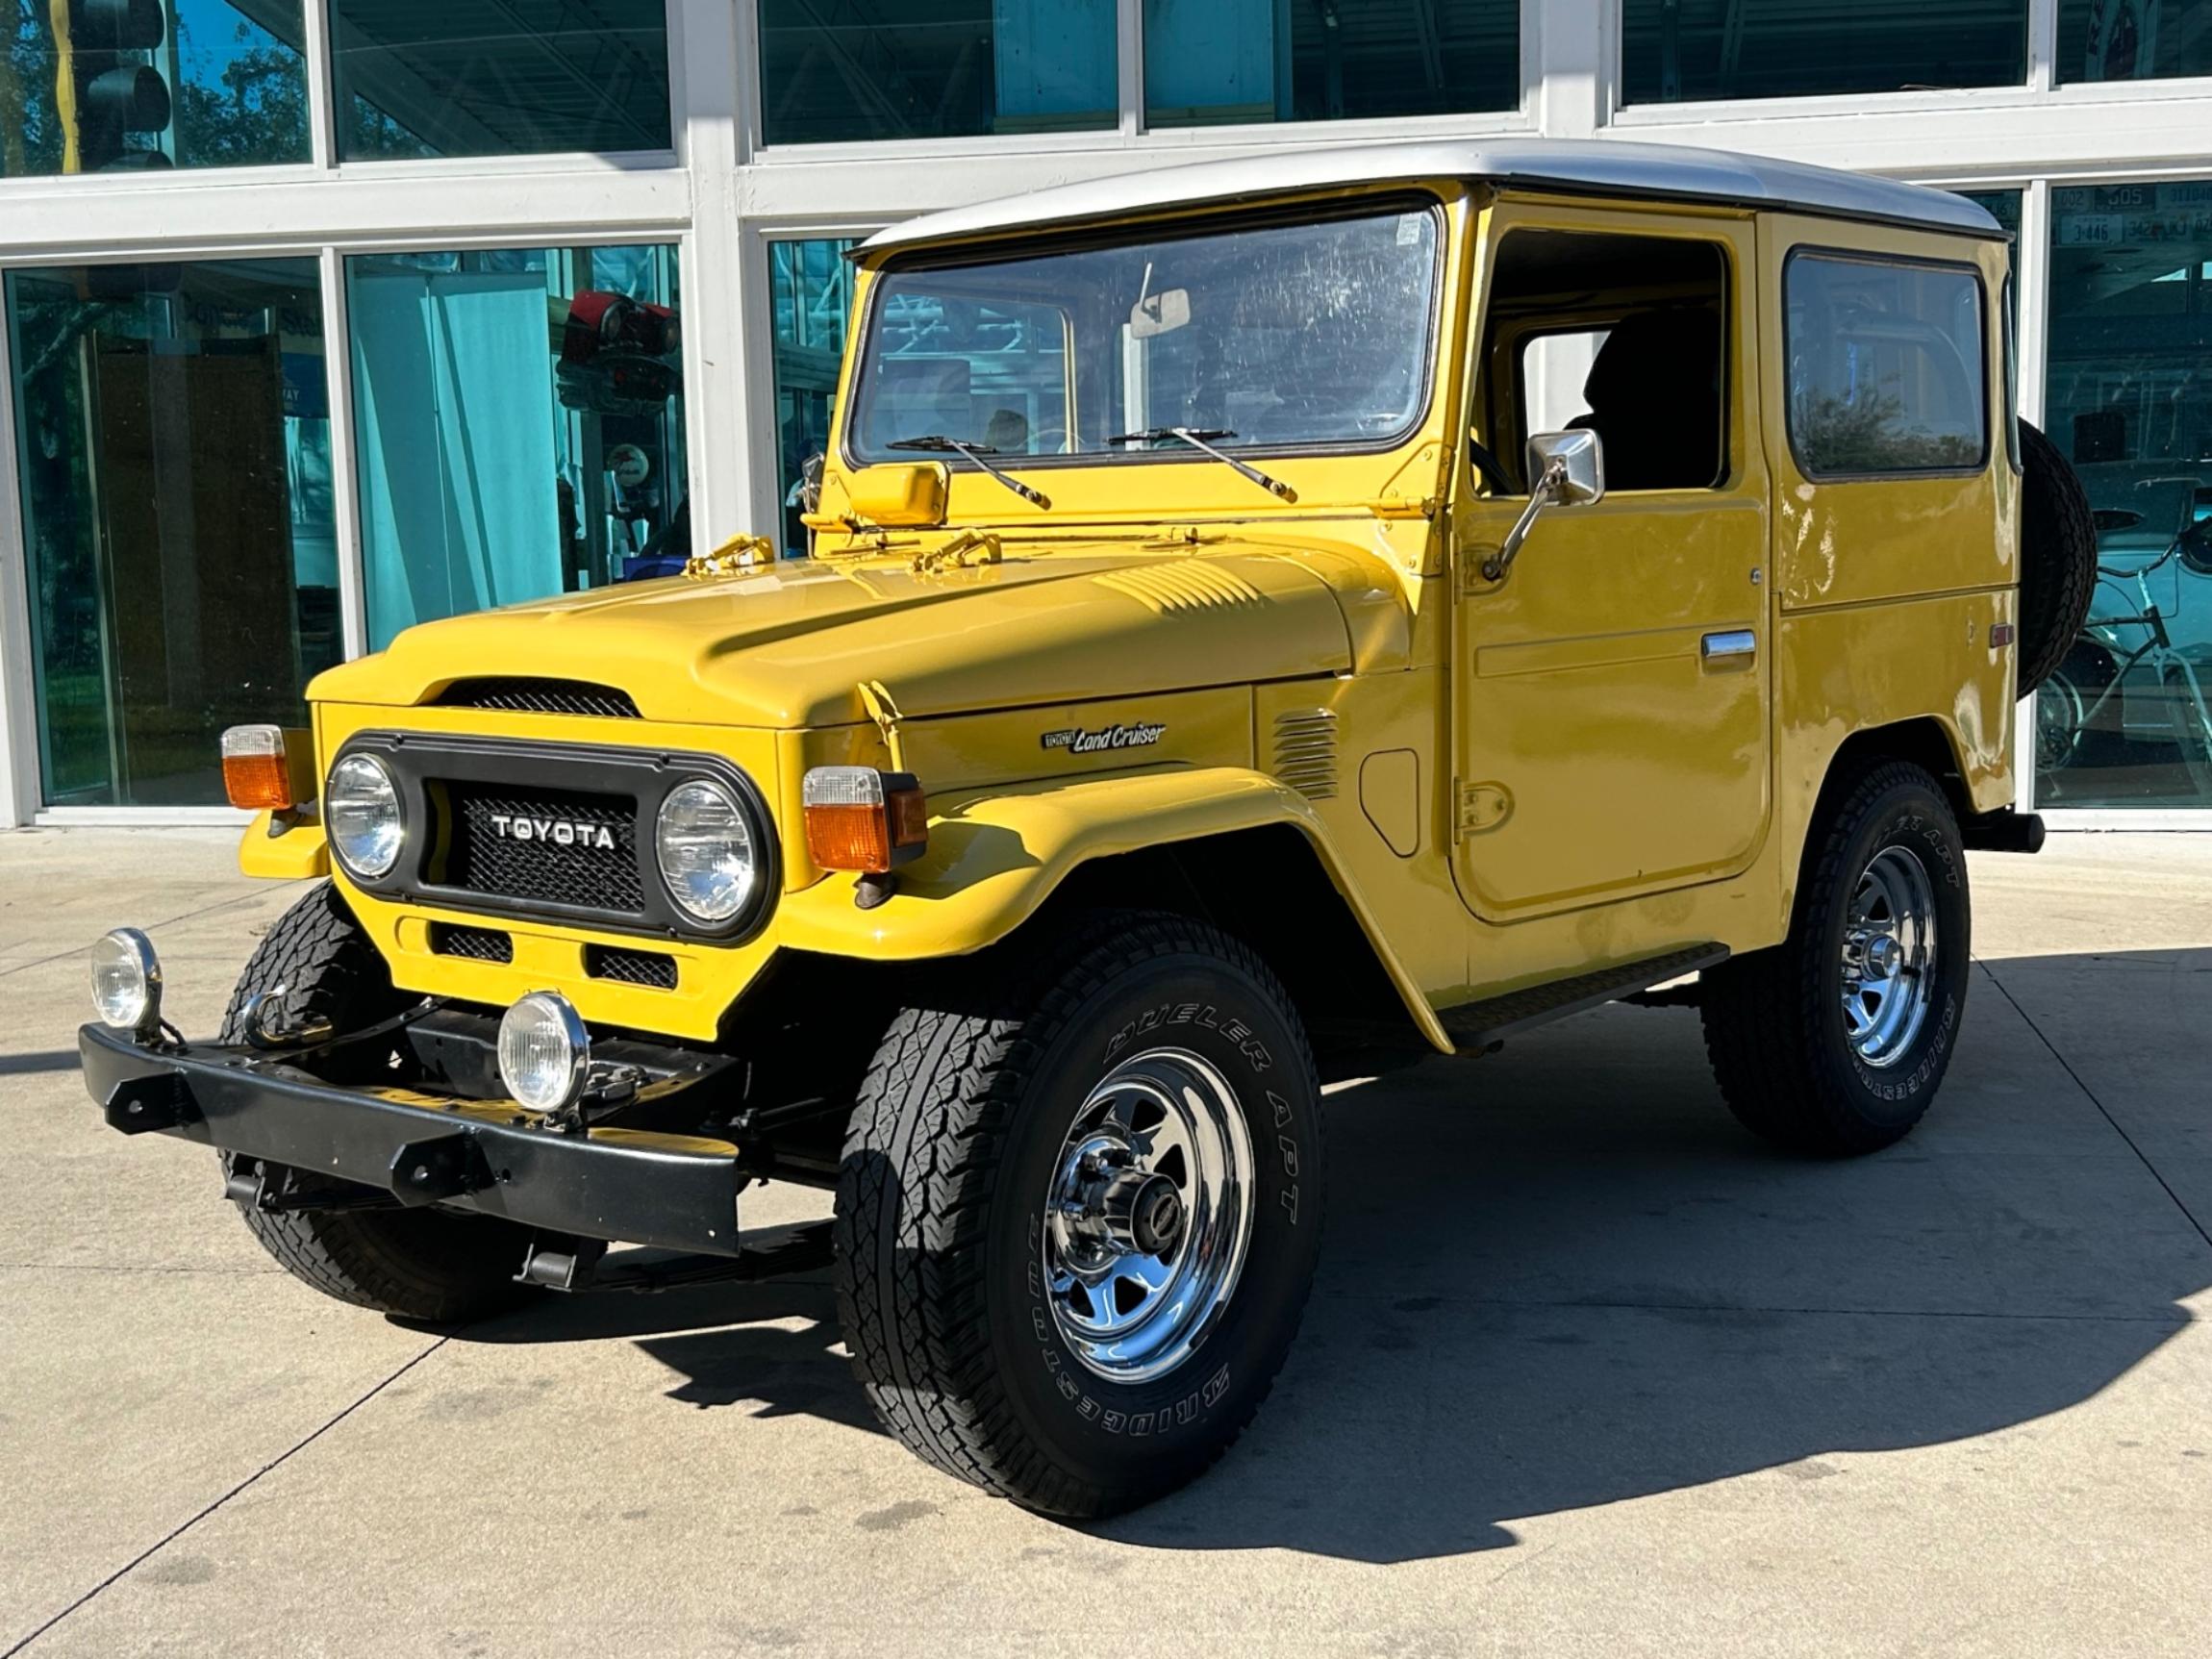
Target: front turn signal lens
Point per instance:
(860, 819)
(256, 771)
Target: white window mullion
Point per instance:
(1572, 80)
(321, 83)
(344, 453)
(2031, 278)
(2041, 44)
(19, 685)
(1129, 55)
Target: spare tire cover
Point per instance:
(2057, 557)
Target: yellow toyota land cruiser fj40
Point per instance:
(1263, 618)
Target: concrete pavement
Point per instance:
(1587, 1371)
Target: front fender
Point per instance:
(994, 857)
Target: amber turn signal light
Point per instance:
(860, 819)
(256, 772)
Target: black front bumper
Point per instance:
(675, 1190)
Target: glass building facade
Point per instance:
(474, 304)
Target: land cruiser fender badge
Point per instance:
(1078, 741)
(559, 830)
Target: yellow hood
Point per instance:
(788, 645)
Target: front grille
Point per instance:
(648, 968)
(476, 944)
(518, 694)
(545, 847)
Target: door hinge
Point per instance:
(1477, 807)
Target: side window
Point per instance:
(1886, 367)
(1623, 335)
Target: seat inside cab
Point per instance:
(1621, 336)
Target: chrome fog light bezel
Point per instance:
(130, 951)
(563, 1023)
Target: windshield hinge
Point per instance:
(1398, 507)
(969, 547)
(740, 553)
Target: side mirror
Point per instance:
(810, 482)
(1572, 463)
(1565, 469)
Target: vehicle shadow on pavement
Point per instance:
(1563, 1277)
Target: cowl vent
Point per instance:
(1163, 589)
(1306, 752)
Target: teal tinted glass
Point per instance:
(2133, 39)
(2128, 398)
(811, 285)
(1716, 49)
(937, 68)
(499, 77)
(108, 86)
(174, 453)
(518, 416)
(1210, 63)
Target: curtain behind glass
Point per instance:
(458, 475)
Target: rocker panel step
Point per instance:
(1475, 1025)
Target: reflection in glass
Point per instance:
(519, 419)
(943, 69)
(499, 77)
(2133, 39)
(1697, 49)
(811, 285)
(154, 83)
(1885, 367)
(175, 441)
(1213, 62)
(2125, 721)
(1270, 336)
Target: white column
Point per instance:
(1575, 73)
(717, 81)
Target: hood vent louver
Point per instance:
(1306, 752)
(518, 694)
(1165, 589)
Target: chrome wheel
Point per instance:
(1889, 956)
(1148, 1215)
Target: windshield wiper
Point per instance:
(1196, 437)
(937, 443)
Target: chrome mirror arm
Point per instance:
(1546, 492)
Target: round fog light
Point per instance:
(127, 981)
(544, 1051)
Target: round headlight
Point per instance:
(127, 981)
(705, 851)
(544, 1051)
(360, 814)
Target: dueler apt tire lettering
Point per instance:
(951, 1242)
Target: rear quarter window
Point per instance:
(1886, 367)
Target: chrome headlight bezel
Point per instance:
(747, 834)
(334, 805)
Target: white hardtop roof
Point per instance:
(1607, 167)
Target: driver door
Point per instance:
(1612, 689)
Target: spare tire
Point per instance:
(2057, 557)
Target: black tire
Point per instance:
(2057, 559)
(942, 1225)
(1774, 1023)
(429, 1265)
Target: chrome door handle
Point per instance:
(1727, 646)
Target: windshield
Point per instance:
(1268, 336)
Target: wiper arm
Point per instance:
(1196, 438)
(937, 443)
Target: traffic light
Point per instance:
(117, 97)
